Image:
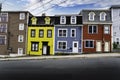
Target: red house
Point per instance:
(97, 31)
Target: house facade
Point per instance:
(13, 29)
(96, 31)
(41, 35)
(115, 12)
(68, 34)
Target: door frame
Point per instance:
(19, 51)
(96, 45)
(108, 46)
(77, 46)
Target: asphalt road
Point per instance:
(61, 69)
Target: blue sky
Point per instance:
(54, 7)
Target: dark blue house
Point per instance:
(68, 34)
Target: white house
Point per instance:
(115, 12)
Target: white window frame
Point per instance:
(62, 42)
(36, 49)
(2, 26)
(21, 26)
(107, 30)
(22, 16)
(62, 30)
(74, 33)
(93, 29)
(62, 19)
(85, 44)
(5, 39)
(19, 50)
(102, 16)
(91, 16)
(73, 19)
(20, 37)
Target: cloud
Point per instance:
(40, 6)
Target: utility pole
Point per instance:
(0, 7)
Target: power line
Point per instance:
(52, 6)
(41, 5)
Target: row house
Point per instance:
(96, 31)
(13, 32)
(41, 35)
(68, 33)
(115, 13)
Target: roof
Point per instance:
(15, 11)
(115, 6)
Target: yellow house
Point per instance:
(40, 36)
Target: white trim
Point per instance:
(20, 37)
(82, 40)
(73, 18)
(97, 23)
(108, 29)
(61, 18)
(1, 24)
(74, 33)
(67, 25)
(103, 13)
(20, 16)
(21, 26)
(93, 16)
(58, 45)
(92, 29)
(63, 29)
(7, 16)
(18, 51)
(85, 43)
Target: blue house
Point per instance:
(68, 34)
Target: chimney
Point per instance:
(43, 14)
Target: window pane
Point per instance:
(32, 33)
(41, 33)
(91, 43)
(49, 33)
(94, 29)
(87, 44)
(90, 29)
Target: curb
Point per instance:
(63, 57)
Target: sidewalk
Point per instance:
(62, 57)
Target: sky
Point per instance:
(55, 7)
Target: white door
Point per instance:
(98, 46)
(75, 46)
(44, 50)
(20, 51)
(106, 47)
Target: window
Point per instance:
(62, 33)
(22, 16)
(62, 20)
(3, 28)
(2, 39)
(49, 33)
(20, 38)
(47, 20)
(106, 29)
(3, 17)
(21, 26)
(41, 33)
(34, 20)
(92, 29)
(102, 16)
(33, 33)
(89, 44)
(73, 32)
(62, 45)
(73, 19)
(117, 40)
(91, 16)
(34, 46)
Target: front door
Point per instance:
(20, 51)
(75, 47)
(98, 46)
(106, 47)
(44, 50)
